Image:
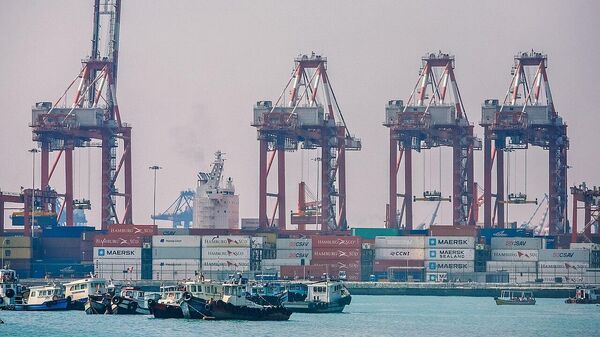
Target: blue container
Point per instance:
(60, 269)
(66, 232)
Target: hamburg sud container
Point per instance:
(209, 241)
(326, 241)
(570, 255)
(514, 255)
(562, 267)
(512, 266)
(332, 253)
(143, 230)
(516, 243)
(226, 253)
(117, 240)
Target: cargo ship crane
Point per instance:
(92, 115)
(433, 116)
(311, 118)
(590, 197)
(527, 116)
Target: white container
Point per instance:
(511, 266)
(283, 262)
(294, 254)
(176, 264)
(173, 231)
(436, 277)
(516, 243)
(521, 278)
(585, 245)
(294, 243)
(465, 242)
(451, 266)
(226, 253)
(120, 276)
(118, 269)
(415, 242)
(562, 266)
(104, 253)
(210, 241)
(174, 275)
(514, 255)
(226, 264)
(450, 254)
(399, 254)
(579, 255)
(176, 253)
(176, 241)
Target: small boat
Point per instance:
(78, 291)
(131, 301)
(585, 295)
(196, 297)
(168, 305)
(10, 289)
(100, 302)
(50, 297)
(327, 296)
(268, 293)
(512, 297)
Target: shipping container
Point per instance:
(176, 241)
(66, 231)
(521, 278)
(176, 253)
(450, 242)
(514, 255)
(449, 254)
(437, 277)
(383, 265)
(257, 242)
(328, 253)
(173, 231)
(516, 243)
(61, 242)
(399, 254)
(451, 266)
(117, 240)
(283, 262)
(15, 241)
(143, 230)
(566, 265)
(336, 241)
(210, 241)
(441, 230)
(579, 255)
(335, 266)
(107, 253)
(51, 269)
(15, 253)
(226, 264)
(585, 245)
(67, 252)
(178, 264)
(294, 254)
(371, 233)
(400, 242)
(294, 244)
(511, 266)
(174, 275)
(302, 272)
(226, 253)
(130, 267)
(489, 233)
(269, 238)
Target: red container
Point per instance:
(142, 230)
(311, 272)
(118, 240)
(383, 265)
(319, 241)
(440, 230)
(336, 266)
(335, 254)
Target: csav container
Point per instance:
(294, 244)
(572, 255)
(294, 254)
(516, 243)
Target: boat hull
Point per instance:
(226, 311)
(318, 307)
(163, 310)
(194, 308)
(98, 305)
(500, 301)
(54, 305)
(127, 306)
(581, 301)
(77, 304)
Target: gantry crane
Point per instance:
(527, 116)
(590, 197)
(312, 118)
(180, 211)
(92, 115)
(433, 116)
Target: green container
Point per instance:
(371, 233)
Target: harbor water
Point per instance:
(366, 316)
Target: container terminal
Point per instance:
(49, 239)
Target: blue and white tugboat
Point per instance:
(50, 297)
(131, 301)
(10, 289)
(325, 296)
(78, 291)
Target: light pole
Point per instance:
(154, 168)
(318, 161)
(33, 152)
(3, 242)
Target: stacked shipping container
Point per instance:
(449, 254)
(403, 256)
(225, 254)
(175, 257)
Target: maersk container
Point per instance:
(294, 254)
(572, 255)
(399, 254)
(514, 255)
(437, 277)
(516, 243)
(451, 266)
(176, 253)
(226, 253)
(176, 241)
(511, 266)
(211, 241)
(107, 253)
(416, 242)
(294, 244)
(465, 242)
(372, 233)
(449, 254)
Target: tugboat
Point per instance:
(50, 297)
(585, 295)
(131, 301)
(196, 297)
(268, 293)
(235, 305)
(327, 296)
(168, 305)
(78, 291)
(100, 302)
(510, 297)
(10, 288)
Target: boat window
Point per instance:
(128, 293)
(33, 294)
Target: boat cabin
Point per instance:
(516, 295)
(9, 280)
(171, 294)
(82, 288)
(205, 289)
(41, 294)
(134, 293)
(325, 291)
(235, 291)
(588, 294)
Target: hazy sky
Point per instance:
(190, 72)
